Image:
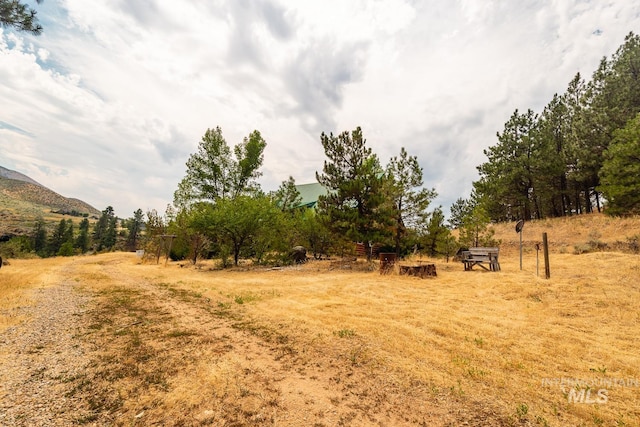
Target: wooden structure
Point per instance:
(420, 270)
(365, 251)
(480, 257)
(387, 262)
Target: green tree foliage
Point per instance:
(287, 197)
(620, 171)
(83, 239)
(66, 249)
(552, 164)
(475, 229)
(16, 247)
(458, 211)
(213, 173)
(15, 14)
(134, 227)
(509, 174)
(243, 222)
(39, 237)
(105, 233)
(62, 234)
(315, 234)
(190, 227)
(354, 205)
(156, 225)
(409, 201)
(437, 237)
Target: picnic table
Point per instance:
(481, 256)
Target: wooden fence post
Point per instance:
(545, 248)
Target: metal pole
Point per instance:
(545, 248)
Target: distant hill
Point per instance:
(9, 174)
(22, 200)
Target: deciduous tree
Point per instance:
(213, 173)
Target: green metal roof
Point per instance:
(310, 193)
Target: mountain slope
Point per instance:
(37, 194)
(9, 174)
(23, 200)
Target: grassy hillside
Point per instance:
(22, 202)
(574, 234)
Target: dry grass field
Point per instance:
(322, 346)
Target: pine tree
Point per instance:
(134, 228)
(39, 237)
(409, 201)
(355, 181)
(104, 232)
(621, 169)
(15, 14)
(82, 240)
(287, 197)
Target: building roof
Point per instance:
(310, 193)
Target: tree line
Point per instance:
(579, 155)
(67, 238)
(219, 209)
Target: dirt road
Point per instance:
(106, 346)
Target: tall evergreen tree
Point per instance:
(104, 233)
(508, 178)
(550, 161)
(355, 180)
(58, 237)
(39, 237)
(460, 209)
(134, 228)
(621, 171)
(437, 236)
(82, 240)
(409, 201)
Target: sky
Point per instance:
(107, 104)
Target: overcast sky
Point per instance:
(109, 102)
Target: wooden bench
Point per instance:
(481, 256)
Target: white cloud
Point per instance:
(110, 101)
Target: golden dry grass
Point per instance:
(494, 343)
(494, 337)
(567, 234)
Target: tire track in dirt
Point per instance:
(243, 374)
(268, 388)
